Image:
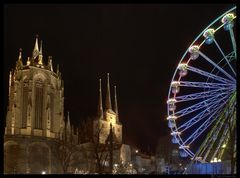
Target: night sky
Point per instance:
(139, 45)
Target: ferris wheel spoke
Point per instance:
(207, 145)
(200, 95)
(212, 108)
(233, 41)
(222, 149)
(214, 135)
(217, 66)
(209, 75)
(204, 126)
(225, 140)
(205, 148)
(205, 85)
(224, 136)
(220, 49)
(200, 105)
(200, 130)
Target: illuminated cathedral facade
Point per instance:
(35, 115)
(35, 121)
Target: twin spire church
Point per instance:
(108, 116)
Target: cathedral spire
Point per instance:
(19, 61)
(115, 102)
(100, 107)
(28, 61)
(10, 83)
(108, 96)
(40, 52)
(50, 63)
(35, 49)
(58, 70)
(68, 124)
(40, 59)
(20, 54)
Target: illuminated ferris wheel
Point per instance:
(202, 96)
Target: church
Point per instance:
(38, 139)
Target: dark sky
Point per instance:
(139, 45)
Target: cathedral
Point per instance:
(35, 115)
(36, 131)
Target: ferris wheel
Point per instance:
(202, 95)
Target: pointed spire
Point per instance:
(58, 69)
(35, 49)
(100, 107)
(40, 59)
(50, 63)
(19, 61)
(40, 52)
(10, 83)
(10, 78)
(68, 123)
(108, 96)
(115, 102)
(28, 61)
(20, 54)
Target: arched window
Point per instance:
(24, 104)
(52, 110)
(38, 104)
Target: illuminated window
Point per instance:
(52, 110)
(38, 104)
(24, 104)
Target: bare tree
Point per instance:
(66, 147)
(99, 150)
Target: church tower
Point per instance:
(35, 114)
(107, 117)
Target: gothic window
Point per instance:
(24, 104)
(38, 104)
(52, 110)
